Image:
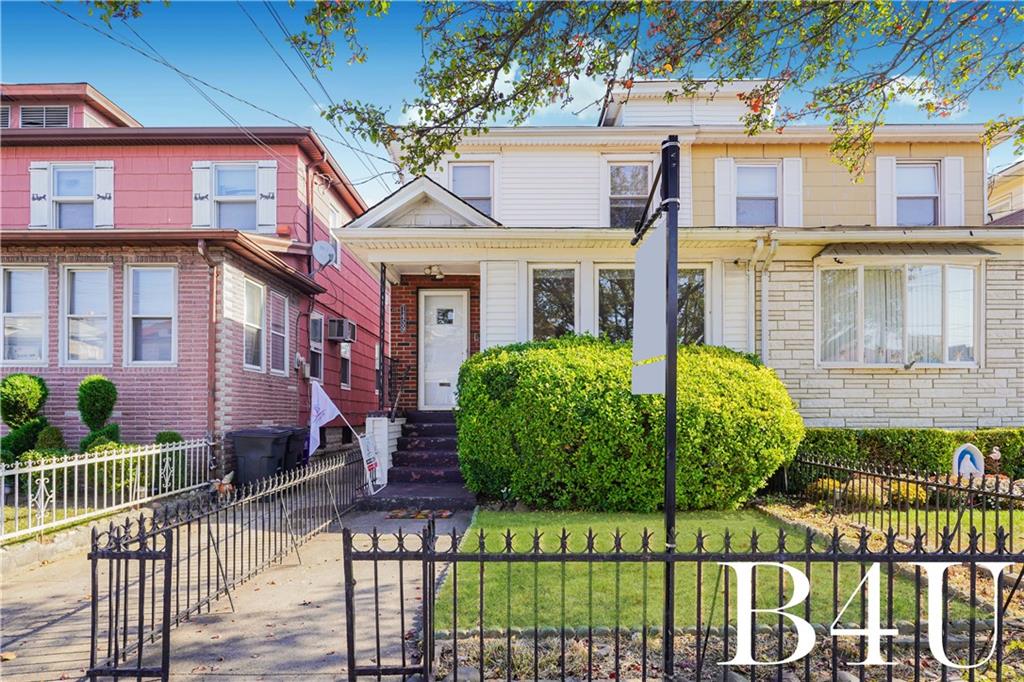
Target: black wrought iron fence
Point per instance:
(153, 572)
(905, 500)
(541, 607)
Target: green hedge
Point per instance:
(109, 433)
(926, 449)
(554, 424)
(23, 438)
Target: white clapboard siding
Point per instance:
(657, 112)
(734, 302)
(39, 188)
(426, 213)
(953, 191)
(551, 188)
(885, 190)
(725, 192)
(498, 302)
(103, 206)
(202, 188)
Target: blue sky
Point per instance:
(216, 42)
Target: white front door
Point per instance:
(444, 345)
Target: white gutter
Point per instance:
(764, 296)
(752, 294)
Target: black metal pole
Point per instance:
(670, 202)
(380, 335)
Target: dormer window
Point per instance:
(472, 183)
(757, 194)
(628, 186)
(917, 194)
(45, 117)
(235, 196)
(73, 196)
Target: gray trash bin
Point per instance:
(295, 455)
(259, 452)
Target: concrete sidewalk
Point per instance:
(288, 622)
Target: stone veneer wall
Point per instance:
(987, 396)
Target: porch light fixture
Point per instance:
(434, 271)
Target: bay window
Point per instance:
(253, 326)
(907, 314)
(86, 324)
(615, 288)
(152, 315)
(553, 301)
(24, 315)
(316, 346)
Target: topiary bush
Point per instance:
(97, 396)
(111, 433)
(22, 396)
(50, 438)
(23, 438)
(168, 437)
(554, 424)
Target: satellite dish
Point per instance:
(324, 253)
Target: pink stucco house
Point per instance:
(178, 263)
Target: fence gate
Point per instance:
(131, 598)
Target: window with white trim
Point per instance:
(472, 182)
(900, 314)
(254, 325)
(316, 346)
(917, 194)
(614, 307)
(45, 116)
(346, 365)
(628, 186)
(5, 117)
(73, 191)
(757, 194)
(152, 314)
(234, 196)
(86, 324)
(23, 291)
(278, 333)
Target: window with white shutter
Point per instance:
(235, 195)
(45, 116)
(71, 196)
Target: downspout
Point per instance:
(211, 340)
(752, 294)
(774, 245)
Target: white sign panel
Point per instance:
(968, 461)
(376, 475)
(649, 313)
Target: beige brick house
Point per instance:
(883, 301)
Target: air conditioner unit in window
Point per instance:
(340, 329)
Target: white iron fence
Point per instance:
(36, 496)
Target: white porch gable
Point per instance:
(423, 203)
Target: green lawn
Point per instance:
(630, 595)
(19, 517)
(933, 521)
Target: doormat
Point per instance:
(419, 514)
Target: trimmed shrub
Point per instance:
(831, 444)
(22, 396)
(905, 492)
(928, 449)
(54, 480)
(111, 433)
(97, 396)
(23, 438)
(554, 424)
(168, 437)
(50, 438)
(826, 489)
(7, 457)
(866, 491)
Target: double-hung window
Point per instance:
(234, 196)
(553, 294)
(899, 314)
(316, 346)
(346, 365)
(86, 323)
(628, 187)
(615, 289)
(278, 334)
(152, 314)
(254, 325)
(73, 196)
(917, 194)
(24, 315)
(757, 194)
(472, 182)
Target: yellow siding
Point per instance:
(831, 195)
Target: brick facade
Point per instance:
(949, 397)
(405, 325)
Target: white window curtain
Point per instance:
(839, 315)
(924, 313)
(883, 315)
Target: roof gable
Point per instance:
(422, 203)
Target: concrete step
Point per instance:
(440, 458)
(429, 416)
(428, 429)
(448, 496)
(428, 474)
(427, 443)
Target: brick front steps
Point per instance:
(426, 472)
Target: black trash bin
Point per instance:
(295, 455)
(259, 452)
